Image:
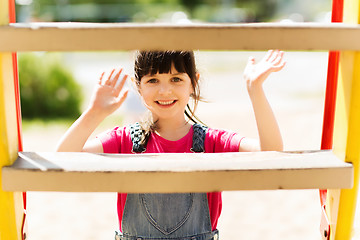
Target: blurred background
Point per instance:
(230, 11)
(55, 88)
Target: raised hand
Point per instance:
(107, 96)
(256, 73)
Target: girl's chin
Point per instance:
(167, 117)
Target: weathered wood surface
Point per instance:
(128, 36)
(86, 172)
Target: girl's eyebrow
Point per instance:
(149, 75)
(178, 73)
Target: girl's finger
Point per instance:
(100, 79)
(115, 78)
(273, 56)
(268, 55)
(120, 85)
(279, 66)
(251, 60)
(279, 58)
(122, 98)
(108, 81)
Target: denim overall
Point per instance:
(180, 216)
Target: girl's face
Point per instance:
(166, 95)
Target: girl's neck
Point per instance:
(173, 130)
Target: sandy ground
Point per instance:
(296, 95)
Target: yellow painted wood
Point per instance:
(126, 36)
(348, 197)
(10, 203)
(4, 13)
(11, 212)
(346, 144)
(341, 204)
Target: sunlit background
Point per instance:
(55, 89)
(177, 11)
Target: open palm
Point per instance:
(256, 73)
(107, 96)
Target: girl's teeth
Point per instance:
(165, 102)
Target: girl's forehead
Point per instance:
(173, 71)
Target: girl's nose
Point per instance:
(165, 89)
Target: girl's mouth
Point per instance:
(166, 103)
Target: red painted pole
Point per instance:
(12, 19)
(329, 112)
(331, 86)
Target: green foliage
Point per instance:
(47, 88)
(223, 11)
(149, 10)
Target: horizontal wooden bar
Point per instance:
(87, 172)
(127, 36)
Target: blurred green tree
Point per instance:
(125, 10)
(47, 88)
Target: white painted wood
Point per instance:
(86, 172)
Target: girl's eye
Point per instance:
(176, 79)
(152, 80)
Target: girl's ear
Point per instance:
(192, 93)
(133, 80)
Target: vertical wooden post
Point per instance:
(341, 204)
(11, 211)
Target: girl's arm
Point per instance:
(255, 74)
(104, 101)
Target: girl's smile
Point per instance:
(166, 103)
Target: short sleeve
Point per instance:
(116, 140)
(222, 141)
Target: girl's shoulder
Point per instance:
(218, 132)
(117, 131)
(222, 140)
(116, 140)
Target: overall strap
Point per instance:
(137, 133)
(198, 143)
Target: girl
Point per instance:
(166, 81)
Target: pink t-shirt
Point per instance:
(118, 140)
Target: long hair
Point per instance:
(153, 62)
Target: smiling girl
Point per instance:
(166, 81)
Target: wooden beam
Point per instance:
(86, 172)
(127, 36)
